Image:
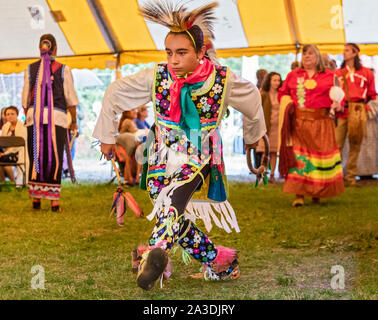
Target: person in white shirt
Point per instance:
(14, 127)
(46, 120)
(183, 152)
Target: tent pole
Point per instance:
(104, 25)
(118, 67)
(297, 49)
(293, 25)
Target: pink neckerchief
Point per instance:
(202, 73)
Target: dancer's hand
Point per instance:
(108, 150)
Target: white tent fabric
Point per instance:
(109, 33)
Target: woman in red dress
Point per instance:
(316, 171)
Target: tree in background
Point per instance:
(278, 63)
(11, 89)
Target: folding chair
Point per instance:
(7, 142)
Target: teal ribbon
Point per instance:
(190, 119)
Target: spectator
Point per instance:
(13, 128)
(47, 135)
(314, 169)
(128, 142)
(328, 62)
(126, 123)
(142, 115)
(359, 88)
(368, 158)
(3, 120)
(367, 164)
(271, 106)
(260, 75)
(295, 65)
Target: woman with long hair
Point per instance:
(271, 108)
(309, 156)
(359, 87)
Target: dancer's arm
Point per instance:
(122, 95)
(245, 97)
(25, 92)
(70, 95)
(69, 89)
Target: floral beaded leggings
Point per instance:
(190, 238)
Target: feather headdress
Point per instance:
(176, 17)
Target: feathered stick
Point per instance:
(133, 205)
(121, 200)
(119, 206)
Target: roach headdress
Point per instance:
(176, 17)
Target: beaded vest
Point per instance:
(170, 147)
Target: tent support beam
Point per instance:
(293, 25)
(118, 71)
(104, 26)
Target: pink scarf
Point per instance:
(202, 73)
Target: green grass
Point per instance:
(285, 252)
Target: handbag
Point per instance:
(11, 157)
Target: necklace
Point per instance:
(310, 84)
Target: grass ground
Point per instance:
(285, 252)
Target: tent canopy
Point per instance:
(107, 33)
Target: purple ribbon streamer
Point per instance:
(35, 157)
(46, 68)
(49, 125)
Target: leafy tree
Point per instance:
(278, 63)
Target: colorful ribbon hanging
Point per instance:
(43, 82)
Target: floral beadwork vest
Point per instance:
(168, 144)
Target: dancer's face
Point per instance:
(182, 58)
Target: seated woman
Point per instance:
(142, 115)
(128, 142)
(3, 173)
(13, 128)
